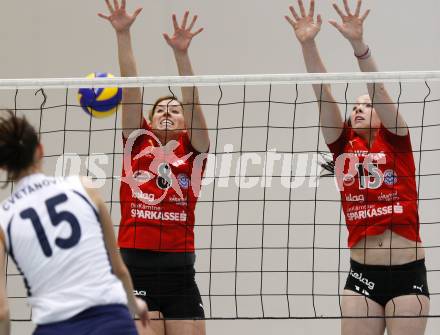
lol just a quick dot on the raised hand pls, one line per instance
(352, 24)
(183, 35)
(305, 26)
(119, 18)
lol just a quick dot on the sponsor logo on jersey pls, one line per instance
(370, 213)
(355, 198)
(389, 177)
(163, 216)
(142, 195)
(364, 280)
(373, 156)
(178, 201)
(388, 196)
(398, 208)
(142, 175)
(375, 212)
(183, 180)
(165, 177)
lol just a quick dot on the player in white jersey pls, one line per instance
(60, 235)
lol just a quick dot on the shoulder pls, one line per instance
(185, 141)
(90, 190)
(346, 138)
(401, 141)
(133, 132)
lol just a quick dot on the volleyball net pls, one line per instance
(270, 234)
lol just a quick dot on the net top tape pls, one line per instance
(216, 80)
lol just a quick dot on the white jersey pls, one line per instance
(53, 233)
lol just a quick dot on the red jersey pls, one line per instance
(158, 192)
(377, 184)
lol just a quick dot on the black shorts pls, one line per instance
(172, 290)
(381, 283)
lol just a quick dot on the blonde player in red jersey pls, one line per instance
(164, 158)
(379, 197)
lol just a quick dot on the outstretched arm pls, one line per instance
(131, 97)
(193, 114)
(351, 28)
(306, 29)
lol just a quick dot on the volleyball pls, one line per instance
(100, 102)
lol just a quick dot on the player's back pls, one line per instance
(53, 233)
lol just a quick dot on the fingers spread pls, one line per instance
(336, 25)
(319, 20)
(109, 6)
(185, 19)
(197, 32)
(193, 21)
(338, 10)
(358, 8)
(347, 8)
(291, 22)
(175, 25)
(136, 12)
(104, 16)
(116, 4)
(293, 11)
(365, 15)
(312, 8)
(301, 8)
(167, 38)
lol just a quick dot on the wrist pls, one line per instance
(180, 53)
(359, 46)
(308, 44)
(123, 33)
(364, 55)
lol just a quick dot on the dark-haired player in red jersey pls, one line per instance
(163, 163)
(374, 166)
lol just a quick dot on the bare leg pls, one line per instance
(185, 327)
(356, 305)
(407, 305)
(156, 326)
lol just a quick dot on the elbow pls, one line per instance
(121, 272)
(380, 87)
(377, 89)
(323, 91)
